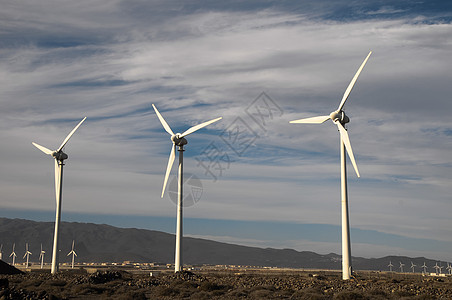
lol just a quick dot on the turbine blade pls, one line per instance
(197, 127)
(75, 253)
(162, 120)
(57, 181)
(43, 149)
(313, 120)
(70, 134)
(348, 146)
(169, 167)
(352, 83)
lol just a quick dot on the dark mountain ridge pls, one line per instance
(105, 243)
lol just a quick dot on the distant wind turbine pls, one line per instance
(437, 268)
(1, 251)
(390, 266)
(59, 157)
(412, 266)
(73, 253)
(424, 266)
(449, 269)
(27, 254)
(401, 267)
(13, 254)
(340, 119)
(41, 257)
(179, 141)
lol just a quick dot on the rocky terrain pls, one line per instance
(223, 285)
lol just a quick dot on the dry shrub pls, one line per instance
(210, 286)
(401, 294)
(166, 291)
(349, 295)
(56, 282)
(238, 293)
(378, 294)
(201, 295)
(261, 294)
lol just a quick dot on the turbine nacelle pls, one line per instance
(178, 140)
(339, 116)
(60, 156)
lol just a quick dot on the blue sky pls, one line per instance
(197, 60)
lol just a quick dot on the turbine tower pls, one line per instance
(41, 257)
(59, 157)
(179, 141)
(340, 119)
(390, 266)
(424, 266)
(401, 267)
(73, 253)
(412, 266)
(1, 251)
(13, 254)
(27, 254)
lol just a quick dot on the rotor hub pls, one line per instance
(60, 155)
(339, 116)
(179, 141)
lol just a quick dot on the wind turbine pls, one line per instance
(401, 267)
(449, 269)
(179, 141)
(59, 157)
(27, 254)
(390, 266)
(13, 254)
(73, 253)
(1, 252)
(41, 257)
(424, 266)
(436, 267)
(340, 119)
(412, 266)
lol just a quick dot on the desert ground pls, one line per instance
(222, 284)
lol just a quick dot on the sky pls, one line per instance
(252, 178)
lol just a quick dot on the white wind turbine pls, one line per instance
(27, 254)
(424, 266)
(73, 253)
(59, 157)
(178, 140)
(390, 266)
(340, 119)
(41, 257)
(1, 251)
(449, 269)
(401, 267)
(412, 266)
(436, 267)
(13, 254)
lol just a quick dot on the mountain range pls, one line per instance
(104, 243)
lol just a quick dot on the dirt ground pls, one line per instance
(223, 285)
